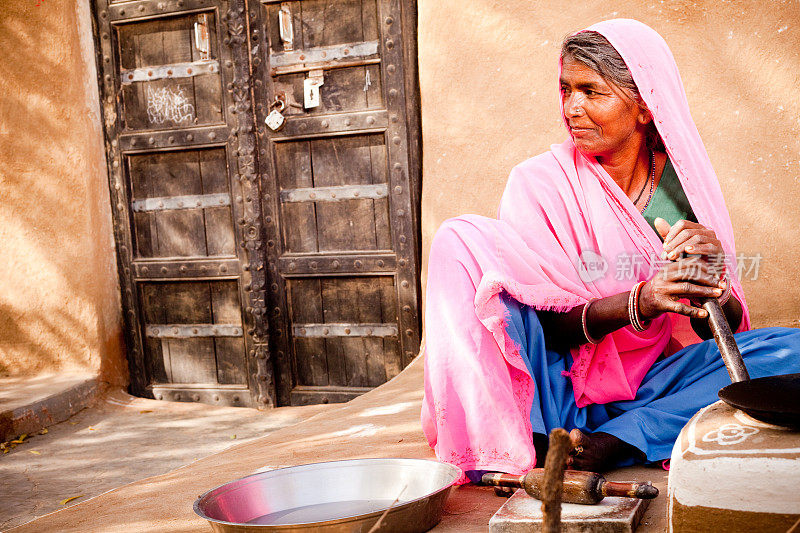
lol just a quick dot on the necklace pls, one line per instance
(652, 179)
(644, 186)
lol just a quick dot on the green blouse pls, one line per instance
(669, 201)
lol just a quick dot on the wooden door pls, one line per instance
(262, 268)
(339, 187)
(174, 79)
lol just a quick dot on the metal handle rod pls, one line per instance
(725, 341)
(724, 337)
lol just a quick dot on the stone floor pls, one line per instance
(381, 423)
(118, 440)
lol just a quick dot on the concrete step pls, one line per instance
(30, 403)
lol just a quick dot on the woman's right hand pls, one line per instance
(684, 278)
(687, 277)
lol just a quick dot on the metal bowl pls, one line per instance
(337, 496)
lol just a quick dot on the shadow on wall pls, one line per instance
(59, 306)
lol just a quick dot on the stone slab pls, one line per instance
(521, 513)
(30, 403)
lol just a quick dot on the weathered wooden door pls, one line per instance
(260, 268)
(186, 199)
(340, 178)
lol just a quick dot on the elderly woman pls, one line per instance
(529, 325)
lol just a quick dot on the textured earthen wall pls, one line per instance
(488, 76)
(59, 299)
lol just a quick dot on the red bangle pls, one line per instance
(633, 307)
(726, 294)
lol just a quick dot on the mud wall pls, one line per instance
(488, 77)
(59, 303)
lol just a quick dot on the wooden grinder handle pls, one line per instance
(585, 488)
(554, 465)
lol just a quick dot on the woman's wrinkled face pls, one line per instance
(601, 117)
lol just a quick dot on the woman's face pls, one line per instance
(602, 118)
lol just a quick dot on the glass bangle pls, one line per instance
(631, 297)
(633, 307)
(583, 322)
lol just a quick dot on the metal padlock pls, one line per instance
(275, 119)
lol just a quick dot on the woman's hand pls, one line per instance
(690, 278)
(689, 237)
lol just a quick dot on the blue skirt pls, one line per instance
(672, 391)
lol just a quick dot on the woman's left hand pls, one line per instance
(692, 238)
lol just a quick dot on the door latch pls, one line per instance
(311, 85)
(285, 25)
(201, 40)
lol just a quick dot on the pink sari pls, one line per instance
(558, 209)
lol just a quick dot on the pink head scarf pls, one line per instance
(560, 211)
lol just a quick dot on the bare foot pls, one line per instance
(597, 452)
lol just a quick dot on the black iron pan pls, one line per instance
(771, 399)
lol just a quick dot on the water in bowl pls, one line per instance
(321, 512)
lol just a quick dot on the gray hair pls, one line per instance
(593, 50)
